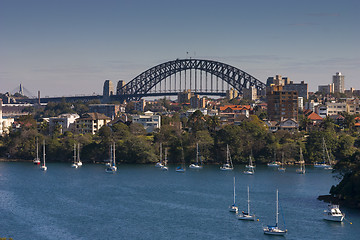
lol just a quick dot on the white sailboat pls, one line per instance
(301, 170)
(43, 166)
(181, 168)
(333, 213)
(251, 164)
(74, 164)
(282, 168)
(275, 230)
(233, 207)
(273, 163)
(228, 166)
(78, 161)
(108, 164)
(326, 156)
(160, 163)
(165, 167)
(247, 215)
(196, 165)
(250, 168)
(112, 168)
(37, 159)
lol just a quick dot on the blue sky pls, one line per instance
(68, 47)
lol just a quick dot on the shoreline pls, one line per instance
(335, 200)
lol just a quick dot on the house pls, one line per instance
(272, 125)
(357, 123)
(289, 125)
(65, 121)
(149, 121)
(315, 118)
(91, 122)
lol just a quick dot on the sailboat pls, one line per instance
(43, 167)
(247, 215)
(196, 165)
(160, 163)
(250, 168)
(228, 166)
(323, 164)
(251, 165)
(275, 230)
(181, 168)
(112, 168)
(165, 167)
(233, 207)
(301, 170)
(78, 161)
(273, 163)
(74, 165)
(108, 164)
(37, 159)
(282, 168)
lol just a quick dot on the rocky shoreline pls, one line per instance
(338, 201)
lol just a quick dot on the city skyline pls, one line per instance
(72, 47)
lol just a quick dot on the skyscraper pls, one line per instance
(339, 82)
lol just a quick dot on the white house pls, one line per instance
(149, 121)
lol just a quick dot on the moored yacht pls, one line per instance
(196, 165)
(228, 166)
(160, 164)
(275, 230)
(78, 161)
(112, 168)
(247, 215)
(233, 207)
(37, 159)
(43, 166)
(74, 164)
(333, 213)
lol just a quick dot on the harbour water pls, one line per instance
(143, 202)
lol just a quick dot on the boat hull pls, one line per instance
(274, 231)
(233, 209)
(246, 217)
(334, 218)
(226, 169)
(194, 166)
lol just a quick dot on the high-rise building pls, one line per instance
(231, 93)
(326, 89)
(339, 82)
(282, 104)
(250, 93)
(301, 88)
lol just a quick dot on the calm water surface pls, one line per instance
(143, 202)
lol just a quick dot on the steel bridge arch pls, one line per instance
(141, 85)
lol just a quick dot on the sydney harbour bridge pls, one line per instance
(202, 77)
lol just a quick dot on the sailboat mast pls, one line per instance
(111, 152)
(160, 152)
(227, 153)
(248, 201)
(197, 152)
(78, 152)
(165, 160)
(74, 152)
(234, 190)
(114, 155)
(37, 148)
(277, 206)
(44, 153)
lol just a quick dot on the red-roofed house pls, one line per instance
(315, 118)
